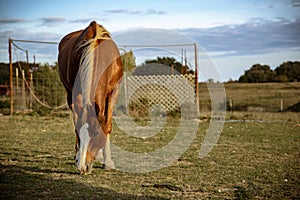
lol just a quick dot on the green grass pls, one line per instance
(251, 160)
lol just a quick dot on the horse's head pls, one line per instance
(90, 140)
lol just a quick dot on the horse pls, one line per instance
(90, 69)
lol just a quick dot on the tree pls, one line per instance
(128, 60)
(282, 78)
(288, 71)
(4, 74)
(171, 62)
(258, 74)
(46, 82)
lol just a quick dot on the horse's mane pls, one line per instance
(87, 65)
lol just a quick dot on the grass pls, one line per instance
(258, 160)
(263, 96)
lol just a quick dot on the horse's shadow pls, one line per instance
(27, 182)
(36, 178)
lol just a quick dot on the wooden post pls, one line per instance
(17, 81)
(30, 95)
(231, 105)
(185, 60)
(23, 99)
(181, 57)
(126, 101)
(10, 78)
(27, 72)
(281, 105)
(17, 90)
(196, 78)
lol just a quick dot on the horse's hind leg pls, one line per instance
(101, 105)
(111, 100)
(75, 118)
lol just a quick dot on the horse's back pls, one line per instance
(71, 51)
(67, 60)
(68, 38)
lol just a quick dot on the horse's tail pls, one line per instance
(87, 65)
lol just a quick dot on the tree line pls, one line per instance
(286, 72)
(38, 70)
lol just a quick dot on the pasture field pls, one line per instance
(255, 96)
(253, 160)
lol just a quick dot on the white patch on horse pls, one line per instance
(99, 156)
(84, 142)
(108, 162)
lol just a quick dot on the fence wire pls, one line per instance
(32, 93)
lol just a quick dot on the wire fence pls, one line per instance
(34, 86)
(38, 93)
(39, 87)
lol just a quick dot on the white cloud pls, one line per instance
(256, 36)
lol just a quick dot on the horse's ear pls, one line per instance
(93, 24)
(90, 32)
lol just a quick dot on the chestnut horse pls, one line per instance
(90, 69)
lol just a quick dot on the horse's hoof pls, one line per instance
(109, 167)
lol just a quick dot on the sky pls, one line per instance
(233, 34)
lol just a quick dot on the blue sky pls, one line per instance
(235, 34)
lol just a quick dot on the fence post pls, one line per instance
(10, 78)
(196, 78)
(30, 90)
(17, 81)
(17, 91)
(23, 100)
